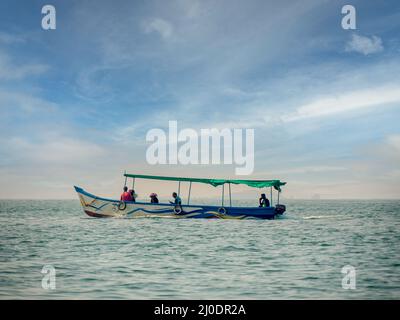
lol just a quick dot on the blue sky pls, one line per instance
(76, 102)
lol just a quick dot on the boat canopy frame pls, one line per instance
(276, 184)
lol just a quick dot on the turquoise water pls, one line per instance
(298, 257)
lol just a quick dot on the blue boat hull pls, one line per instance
(105, 208)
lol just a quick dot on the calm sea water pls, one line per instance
(297, 257)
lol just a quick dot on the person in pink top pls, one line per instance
(126, 196)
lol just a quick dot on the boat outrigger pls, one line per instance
(104, 208)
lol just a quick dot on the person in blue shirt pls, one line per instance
(177, 200)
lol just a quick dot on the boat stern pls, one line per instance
(280, 209)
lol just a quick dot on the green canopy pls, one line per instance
(215, 182)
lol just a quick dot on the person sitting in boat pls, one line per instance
(264, 202)
(126, 196)
(153, 197)
(133, 195)
(177, 200)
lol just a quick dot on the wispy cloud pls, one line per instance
(58, 151)
(93, 84)
(394, 142)
(8, 38)
(345, 102)
(24, 103)
(311, 169)
(387, 151)
(160, 26)
(365, 45)
(10, 70)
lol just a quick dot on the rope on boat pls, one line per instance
(121, 206)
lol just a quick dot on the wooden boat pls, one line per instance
(99, 207)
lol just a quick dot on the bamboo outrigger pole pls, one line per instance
(125, 178)
(223, 192)
(270, 188)
(190, 189)
(230, 195)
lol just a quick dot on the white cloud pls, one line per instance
(161, 26)
(13, 71)
(57, 151)
(93, 84)
(11, 38)
(25, 102)
(364, 45)
(387, 151)
(344, 103)
(191, 8)
(394, 142)
(129, 134)
(311, 169)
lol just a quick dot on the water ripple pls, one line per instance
(298, 256)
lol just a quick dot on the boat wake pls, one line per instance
(320, 217)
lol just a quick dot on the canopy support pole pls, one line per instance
(190, 189)
(179, 188)
(125, 179)
(223, 192)
(270, 188)
(133, 183)
(230, 195)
